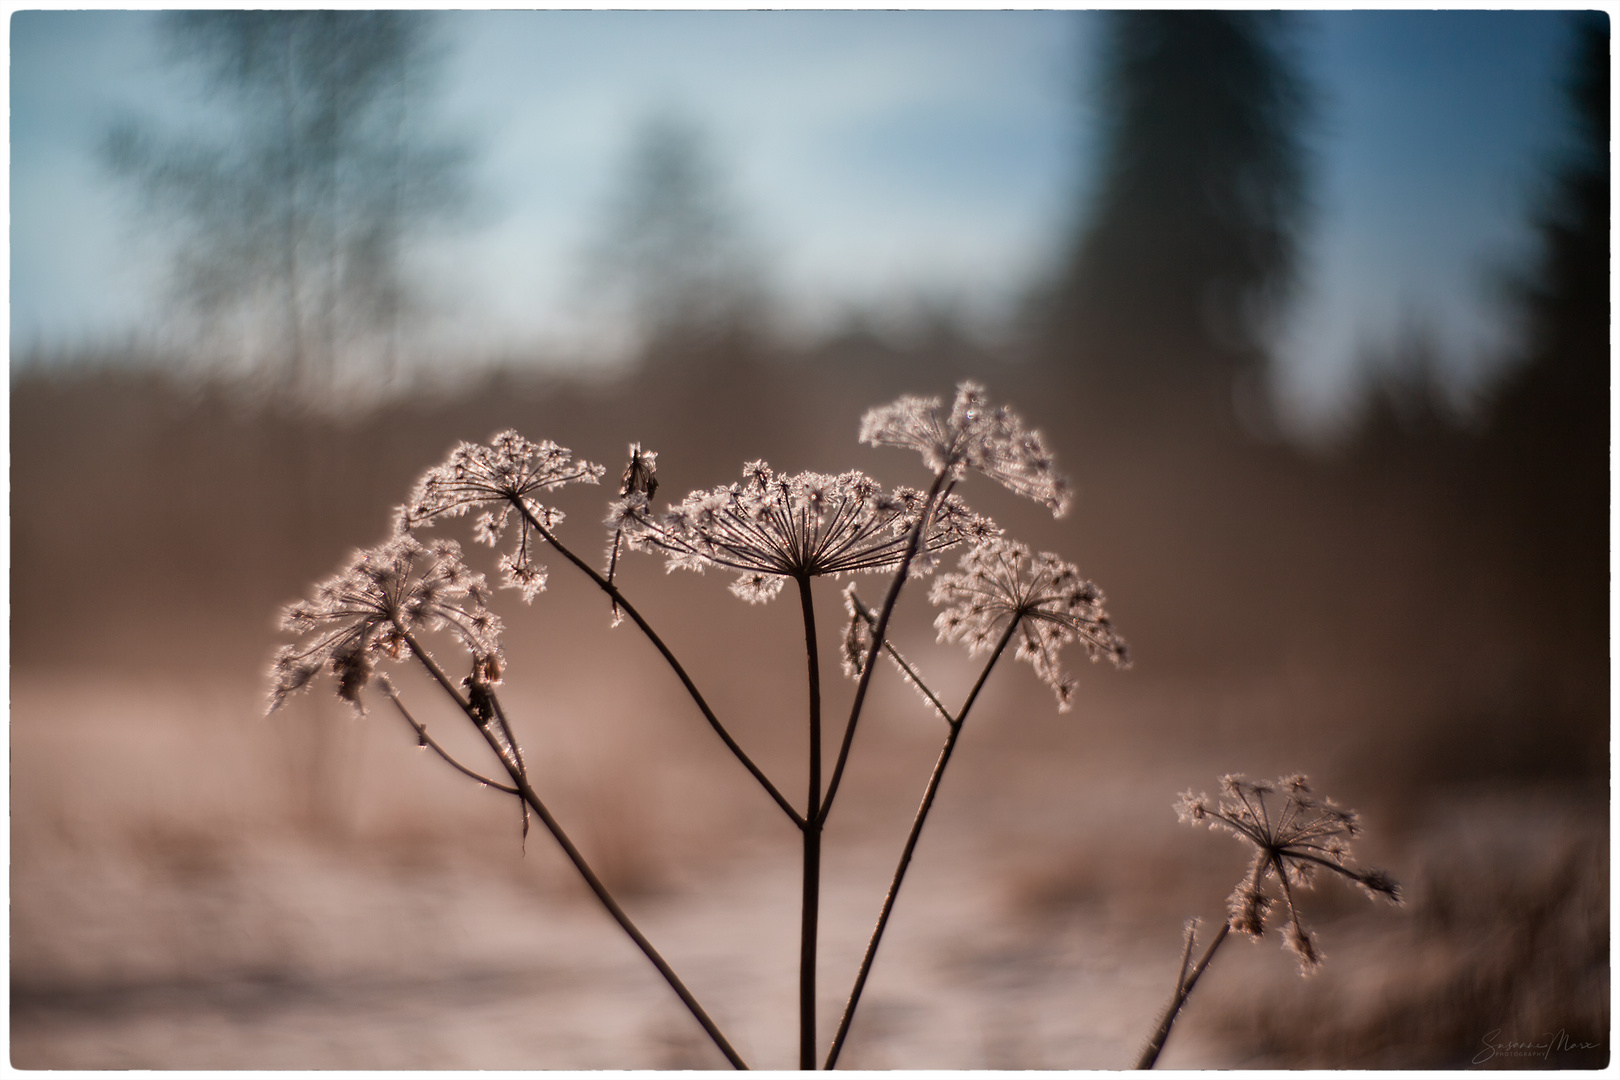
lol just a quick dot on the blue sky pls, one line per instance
(878, 158)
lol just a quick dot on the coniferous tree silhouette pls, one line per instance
(1545, 452)
(1188, 248)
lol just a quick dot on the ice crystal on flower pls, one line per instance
(971, 435)
(386, 595)
(1291, 843)
(502, 479)
(770, 527)
(1001, 583)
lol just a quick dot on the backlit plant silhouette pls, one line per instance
(769, 530)
(1291, 843)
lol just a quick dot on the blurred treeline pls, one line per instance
(1469, 552)
(1431, 591)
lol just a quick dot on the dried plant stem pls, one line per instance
(427, 740)
(574, 856)
(675, 665)
(932, 789)
(900, 662)
(613, 565)
(1184, 986)
(812, 844)
(878, 631)
(1155, 1045)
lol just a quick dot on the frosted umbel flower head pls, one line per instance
(974, 436)
(770, 528)
(1292, 841)
(387, 595)
(1047, 600)
(500, 477)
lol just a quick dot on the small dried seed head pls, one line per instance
(370, 611)
(502, 479)
(1045, 598)
(857, 636)
(971, 436)
(1295, 836)
(1248, 906)
(638, 475)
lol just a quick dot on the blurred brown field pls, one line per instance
(197, 885)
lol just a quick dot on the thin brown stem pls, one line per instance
(812, 843)
(900, 662)
(1150, 1053)
(595, 883)
(613, 564)
(881, 628)
(517, 753)
(675, 665)
(1155, 1045)
(911, 846)
(1186, 951)
(426, 740)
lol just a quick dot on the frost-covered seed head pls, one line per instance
(1046, 598)
(638, 475)
(770, 528)
(401, 587)
(974, 436)
(1291, 842)
(857, 643)
(499, 478)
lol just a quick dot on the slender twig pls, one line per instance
(574, 856)
(517, 752)
(878, 631)
(680, 672)
(1186, 952)
(613, 564)
(900, 661)
(1155, 1045)
(1150, 1053)
(812, 844)
(911, 845)
(424, 739)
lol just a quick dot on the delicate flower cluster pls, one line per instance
(387, 595)
(1291, 842)
(770, 528)
(1043, 596)
(971, 436)
(503, 477)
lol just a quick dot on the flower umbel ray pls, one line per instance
(385, 596)
(771, 527)
(500, 477)
(1047, 599)
(972, 435)
(1291, 841)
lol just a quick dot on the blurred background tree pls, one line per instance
(673, 262)
(288, 224)
(1543, 460)
(1188, 248)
